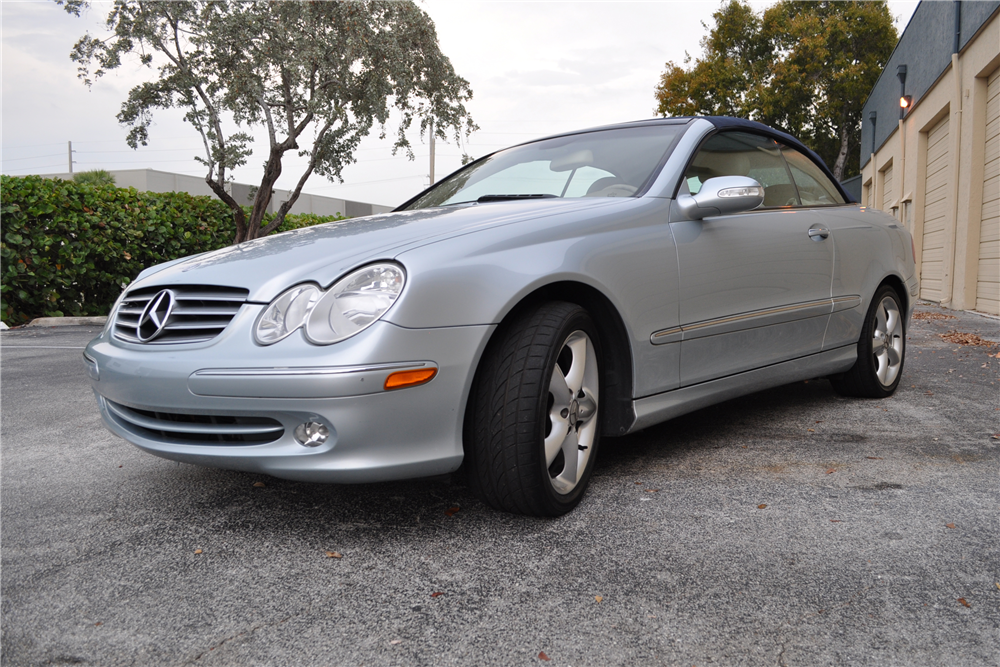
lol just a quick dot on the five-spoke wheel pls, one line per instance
(881, 350)
(571, 425)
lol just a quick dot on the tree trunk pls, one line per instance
(838, 167)
(239, 217)
(263, 198)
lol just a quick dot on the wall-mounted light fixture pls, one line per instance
(904, 100)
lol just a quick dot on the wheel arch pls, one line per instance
(617, 413)
(898, 286)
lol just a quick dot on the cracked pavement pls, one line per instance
(790, 527)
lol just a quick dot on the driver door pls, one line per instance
(754, 286)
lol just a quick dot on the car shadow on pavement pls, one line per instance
(756, 416)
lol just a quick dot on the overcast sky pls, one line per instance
(536, 68)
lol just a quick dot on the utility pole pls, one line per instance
(432, 152)
(70, 156)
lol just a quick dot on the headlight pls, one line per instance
(349, 306)
(285, 314)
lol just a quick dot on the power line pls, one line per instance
(36, 157)
(383, 180)
(44, 166)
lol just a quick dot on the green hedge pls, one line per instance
(69, 248)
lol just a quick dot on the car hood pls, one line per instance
(325, 252)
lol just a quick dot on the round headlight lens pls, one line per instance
(285, 314)
(354, 302)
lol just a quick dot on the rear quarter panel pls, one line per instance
(869, 247)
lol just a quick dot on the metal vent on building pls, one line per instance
(177, 313)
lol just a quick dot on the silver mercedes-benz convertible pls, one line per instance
(591, 283)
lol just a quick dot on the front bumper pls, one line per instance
(231, 382)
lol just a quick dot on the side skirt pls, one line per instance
(652, 410)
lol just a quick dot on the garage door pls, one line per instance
(887, 199)
(937, 211)
(988, 288)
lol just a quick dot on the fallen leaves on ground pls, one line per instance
(451, 511)
(920, 315)
(259, 485)
(598, 598)
(874, 458)
(962, 338)
(760, 507)
(651, 490)
(396, 641)
(197, 551)
(964, 603)
(542, 656)
(437, 594)
(836, 521)
(831, 471)
(949, 525)
(334, 554)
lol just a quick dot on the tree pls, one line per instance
(317, 76)
(804, 66)
(94, 177)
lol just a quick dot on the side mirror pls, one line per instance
(722, 195)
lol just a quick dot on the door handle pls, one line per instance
(821, 232)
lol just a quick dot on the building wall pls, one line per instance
(932, 169)
(151, 180)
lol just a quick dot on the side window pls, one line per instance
(815, 187)
(744, 154)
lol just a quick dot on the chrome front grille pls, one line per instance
(199, 313)
(186, 429)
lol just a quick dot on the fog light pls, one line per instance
(311, 434)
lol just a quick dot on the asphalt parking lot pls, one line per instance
(792, 527)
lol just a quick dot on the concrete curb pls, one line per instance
(67, 321)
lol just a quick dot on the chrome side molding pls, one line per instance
(756, 318)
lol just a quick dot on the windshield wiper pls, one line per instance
(486, 198)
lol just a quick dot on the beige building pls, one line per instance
(937, 169)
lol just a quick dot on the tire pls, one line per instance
(881, 350)
(532, 424)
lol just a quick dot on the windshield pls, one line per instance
(604, 163)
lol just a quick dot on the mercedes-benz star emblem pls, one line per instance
(155, 315)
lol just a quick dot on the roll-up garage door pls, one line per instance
(988, 287)
(887, 199)
(936, 211)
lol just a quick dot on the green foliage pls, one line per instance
(94, 177)
(316, 76)
(806, 67)
(69, 248)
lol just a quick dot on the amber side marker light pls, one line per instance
(402, 379)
